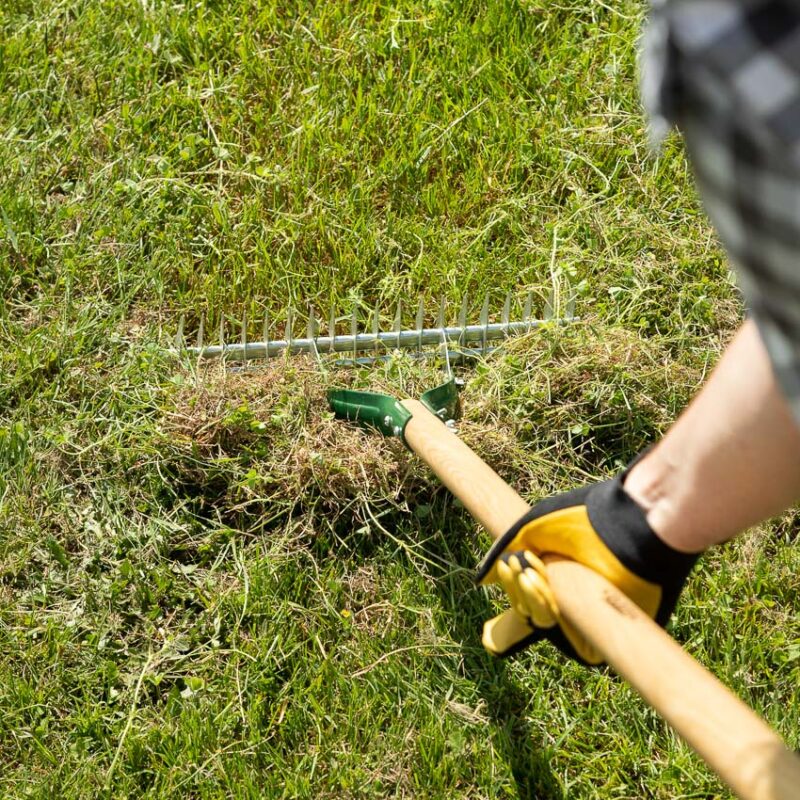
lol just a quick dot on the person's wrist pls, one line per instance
(642, 483)
(647, 484)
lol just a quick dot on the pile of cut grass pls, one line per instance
(208, 586)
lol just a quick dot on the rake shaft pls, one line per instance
(737, 744)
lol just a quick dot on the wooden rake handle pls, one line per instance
(735, 742)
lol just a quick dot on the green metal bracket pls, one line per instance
(443, 400)
(370, 408)
(386, 413)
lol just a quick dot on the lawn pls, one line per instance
(209, 587)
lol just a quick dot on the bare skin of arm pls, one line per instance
(731, 460)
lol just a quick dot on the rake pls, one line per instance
(736, 743)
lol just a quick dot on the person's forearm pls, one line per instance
(731, 460)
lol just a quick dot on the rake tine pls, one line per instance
(505, 319)
(485, 318)
(222, 338)
(312, 328)
(179, 343)
(376, 325)
(398, 321)
(440, 318)
(200, 331)
(312, 331)
(526, 312)
(548, 306)
(420, 323)
(462, 319)
(244, 336)
(289, 329)
(354, 330)
(441, 324)
(265, 335)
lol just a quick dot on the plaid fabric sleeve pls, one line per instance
(727, 72)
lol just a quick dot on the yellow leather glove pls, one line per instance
(599, 526)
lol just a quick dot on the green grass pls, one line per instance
(208, 587)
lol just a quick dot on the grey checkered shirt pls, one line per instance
(727, 73)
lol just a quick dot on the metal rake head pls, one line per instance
(363, 346)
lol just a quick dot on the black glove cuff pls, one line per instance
(623, 527)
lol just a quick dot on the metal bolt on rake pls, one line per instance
(466, 338)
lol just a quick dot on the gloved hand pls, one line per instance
(599, 526)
